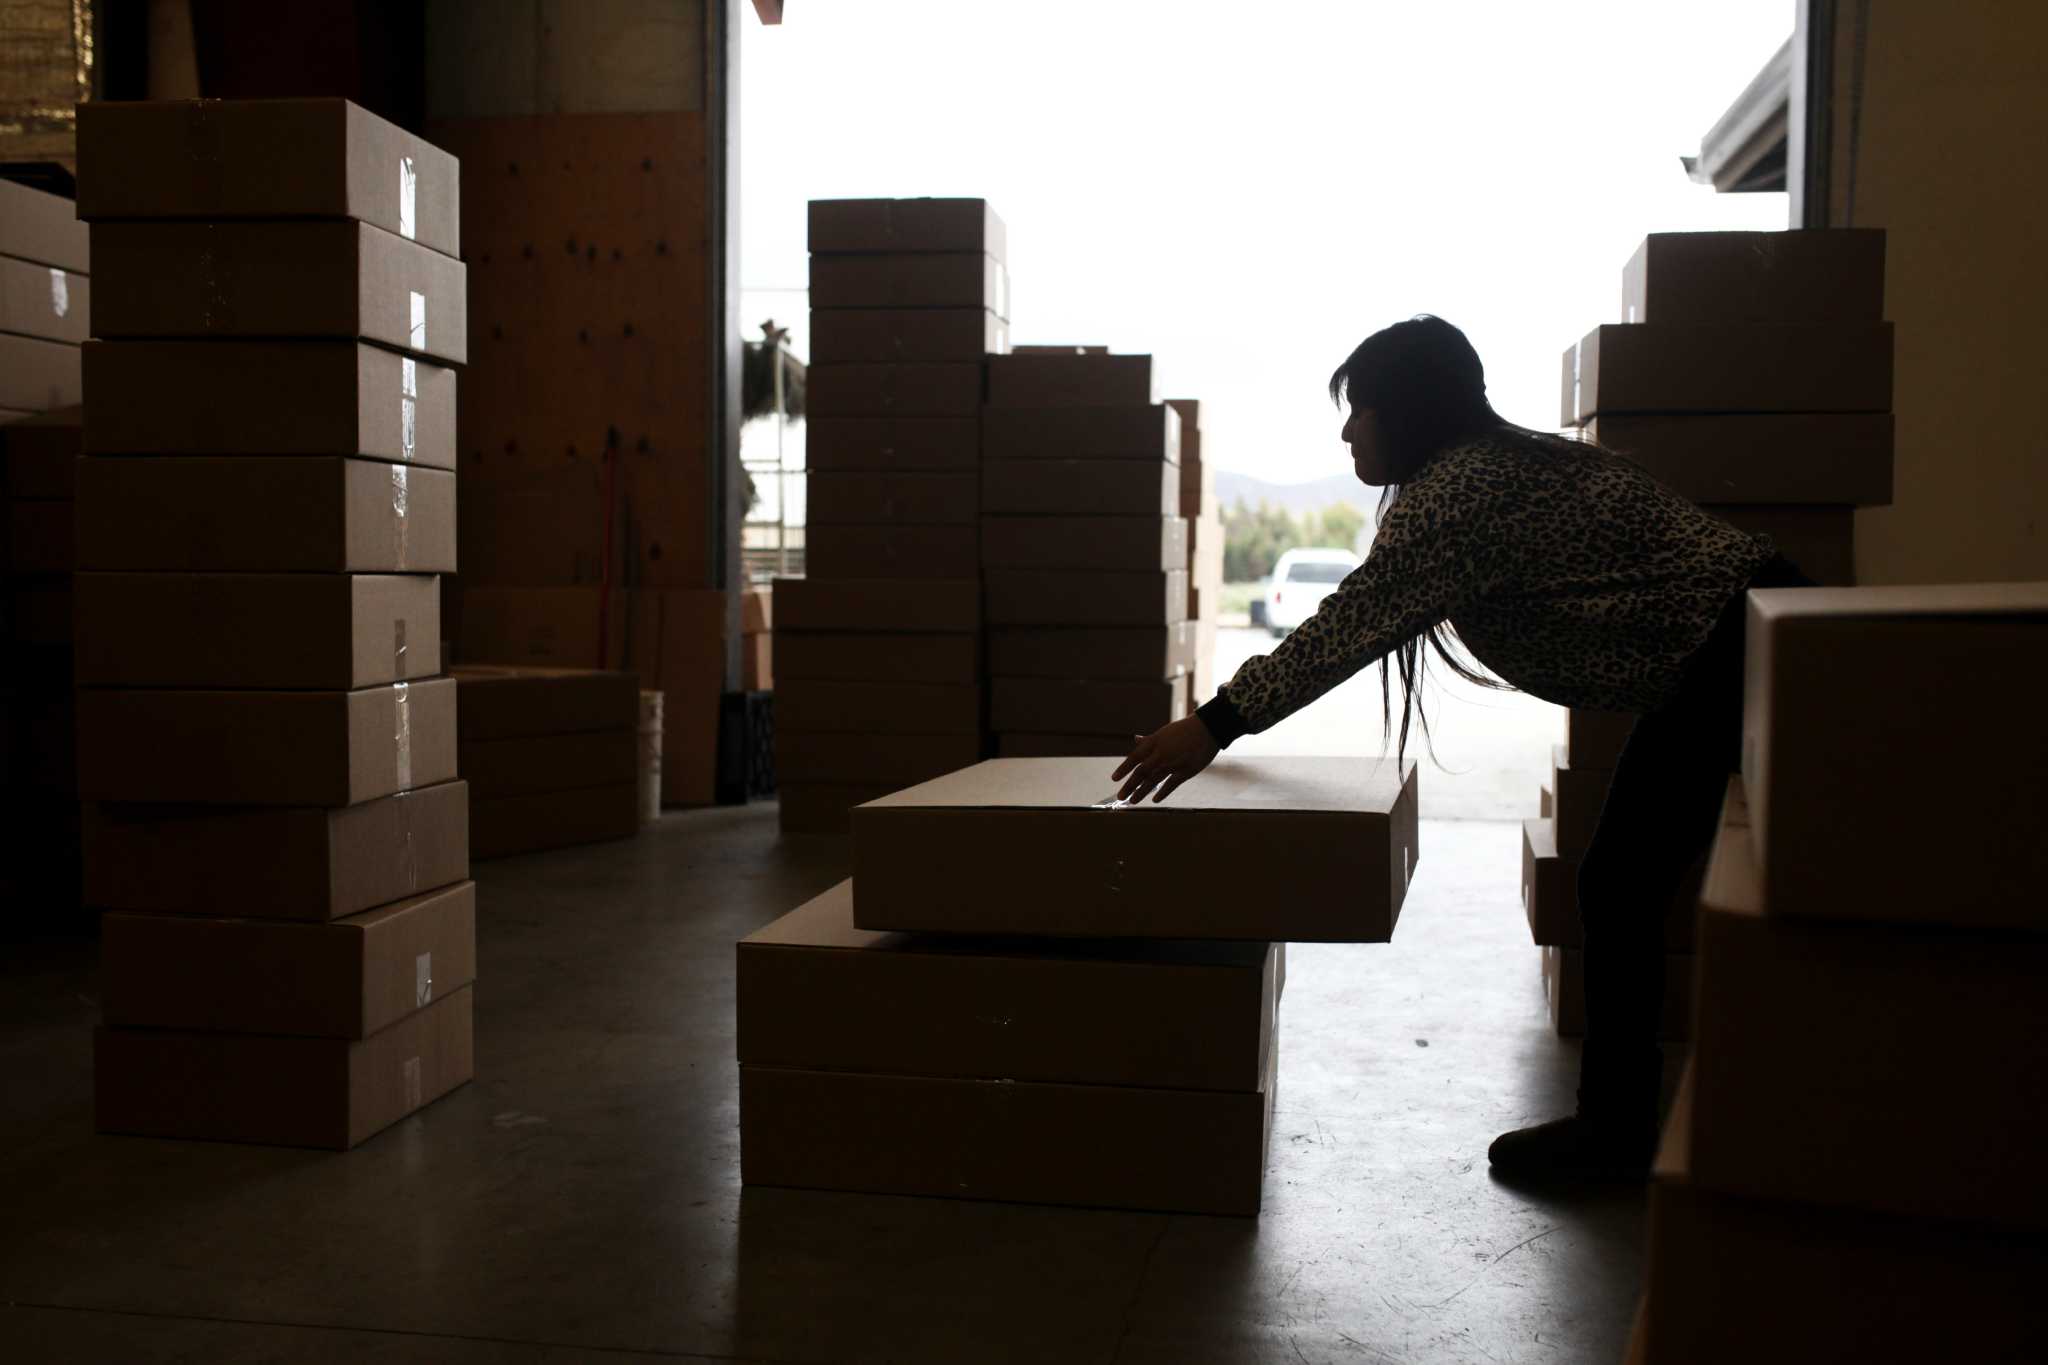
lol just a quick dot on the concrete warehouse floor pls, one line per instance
(581, 1200)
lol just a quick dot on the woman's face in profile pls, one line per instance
(1368, 458)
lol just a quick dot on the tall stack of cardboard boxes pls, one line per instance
(44, 301)
(1753, 375)
(878, 650)
(552, 756)
(1205, 549)
(1058, 1033)
(1084, 553)
(275, 829)
(1853, 1169)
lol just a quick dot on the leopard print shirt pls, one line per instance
(1568, 573)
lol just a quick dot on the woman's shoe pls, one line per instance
(1575, 1148)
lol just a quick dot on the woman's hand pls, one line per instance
(1165, 758)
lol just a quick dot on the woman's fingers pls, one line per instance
(1168, 787)
(1141, 749)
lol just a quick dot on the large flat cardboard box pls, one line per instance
(898, 499)
(1594, 739)
(919, 708)
(1580, 794)
(39, 453)
(1783, 279)
(757, 663)
(1730, 1278)
(1828, 458)
(819, 994)
(247, 514)
(1564, 989)
(856, 336)
(952, 389)
(1654, 367)
(1025, 744)
(519, 702)
(892, 443)
(894, 760)
(857, 657)
(1884, 1067)
(879, 550)
(1070, 597)
(573, 628)
(288, 1092)
(934, 279)
(268, 398)
(1137, 653)
(346, 979)
(1150, 431)
(905, 225)
(1820, 540)
(534, 821)
(43, 228)
(530, 764)
(822, 807)
(1128, 543)
(287, 158)
(41, 537)
(1121, 707)
(1197, 487)
(36, 376)
(314, 630)
(265, 748)
(1550, 893)
(891, 606)
(44, 301)
(1301, 849)
(279, 279)
(1033, 1142)
(1071, 381)
(296, 863)
(1080, 488)
(1889, 801)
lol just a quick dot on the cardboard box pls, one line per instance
(1177, 1015)
(279, 279)
(1550, 893)
(896, 499)
(542, 530)
(530, 823)
(1594, 739)
(757, 611)
(279, 864)
(892, 443)
(267, 398)
(1144, 653)
(677, 644)
(265, 748)
(952, 279)
(498, 703)
(1838, 458)
(1934, 809)
(36, 376)
(1071, 381)
(757, 663)
(878, 657)
(937, 390)
(1121, 707)
(1747, 1279)
(1066, 597)
(39, 613)
(1652, 367)
(290, 1092)
(821, 807)
(903, 225)
(279, 158)
(1581, 793)
(893, 760)
(843, 336)
(1024, 744)
(1820, 540)
(531, 764)
(1127, 543)
(1128, 432)
(1197, 489)
(42, 227)
(886, 605)
(1782, 279)
(578, 628)
(1302, 849)
(812, 705)
(347, 979)
(41, 731)
(44, 301)
(39, 454)
(247, 514)
(1108, 1146)
(1568, 395)
(278, 631)
(1879, 1067)
(41, 537)
(833, 550)
(1564, 987)
(1080, 488)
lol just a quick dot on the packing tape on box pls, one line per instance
(408, 406)
(423, 980)
(60, 292)
(403, 693)
(204, 142)
(215, 313)
(416, 311)
(398, 649)
(400, 501)
(408, 849)
(408, 199)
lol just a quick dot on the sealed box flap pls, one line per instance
(1972, 600)
(1734, 885)
(1338, 786)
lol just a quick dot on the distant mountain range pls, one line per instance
(1295, 498)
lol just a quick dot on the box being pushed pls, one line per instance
(1303, 850)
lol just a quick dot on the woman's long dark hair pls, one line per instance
(1424, 383)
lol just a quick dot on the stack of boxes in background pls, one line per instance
(1049, 1034)
(878, 650)
(757, 640)
(1205, 549)
(1753, 375)
(276, 831)
(1853, 1170)
(552, 756)
(1084, 553)
(44, 301)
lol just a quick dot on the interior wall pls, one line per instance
(1942, 150)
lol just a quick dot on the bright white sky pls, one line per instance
(1247, 190)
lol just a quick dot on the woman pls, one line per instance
(1569, 574)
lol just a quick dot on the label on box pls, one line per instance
(60, 292)
(408, 198)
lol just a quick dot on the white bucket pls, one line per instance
(650, 757)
